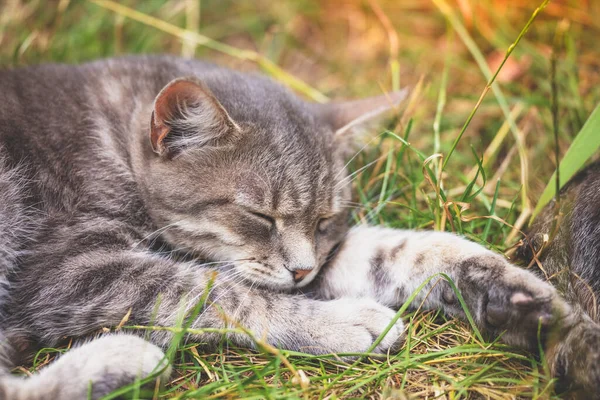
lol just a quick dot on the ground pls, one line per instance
(421, 176)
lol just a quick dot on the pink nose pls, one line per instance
(300, 274)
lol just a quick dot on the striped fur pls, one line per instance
(565, 240)
(114, 202)
(128, 185)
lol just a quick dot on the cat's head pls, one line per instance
(239, 169)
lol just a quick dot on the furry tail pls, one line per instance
(93, 370)
(574, 359)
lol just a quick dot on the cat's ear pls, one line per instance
(186, 115)
(350, 116)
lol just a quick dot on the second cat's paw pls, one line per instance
(509, 300)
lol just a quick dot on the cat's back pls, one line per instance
(64, 132)
(73, 130)
(50, 101)
(58, 118)
(565, 239)
(45, 107)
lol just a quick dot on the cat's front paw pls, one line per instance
(349, 325)
(507, 299)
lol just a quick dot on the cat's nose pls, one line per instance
(300, 274)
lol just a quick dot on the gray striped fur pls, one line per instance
(116, 199)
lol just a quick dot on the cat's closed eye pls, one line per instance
(264, 218)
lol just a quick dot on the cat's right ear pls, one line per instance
(348, 117)
(187, 115)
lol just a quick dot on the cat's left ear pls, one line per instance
(346, 117)
(187, 115)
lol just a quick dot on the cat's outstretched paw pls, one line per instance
(350, 325)
(529, 313)
(507, 300)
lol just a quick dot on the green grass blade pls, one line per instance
(585, 144)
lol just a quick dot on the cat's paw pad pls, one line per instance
(518, 308)
(510, 299)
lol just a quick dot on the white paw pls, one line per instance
(350, 325)
(99, 367)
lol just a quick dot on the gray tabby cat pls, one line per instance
(113, 169)
(565, 240)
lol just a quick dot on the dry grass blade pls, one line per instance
(393, 40)
(201, 40)
(491, 84)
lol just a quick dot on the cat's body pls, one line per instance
(81, 179)
(571, 255)
(563, 247)
(119, 176)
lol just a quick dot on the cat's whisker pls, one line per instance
(351, 177)
(227, 278)
(368, 144)
(371, 207)
(233, 285)
(263, 180)
(172, 252)
(358, 203)
(205, 264)
(356, 206)
(243, 301)
(367, 217)
(201, 293)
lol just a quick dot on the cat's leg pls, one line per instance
(388, 265)
(575, 360)
(92, 370)
(71, 293)
(97, 289)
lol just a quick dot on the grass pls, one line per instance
(454, 160)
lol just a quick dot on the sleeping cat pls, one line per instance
(143, 185)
